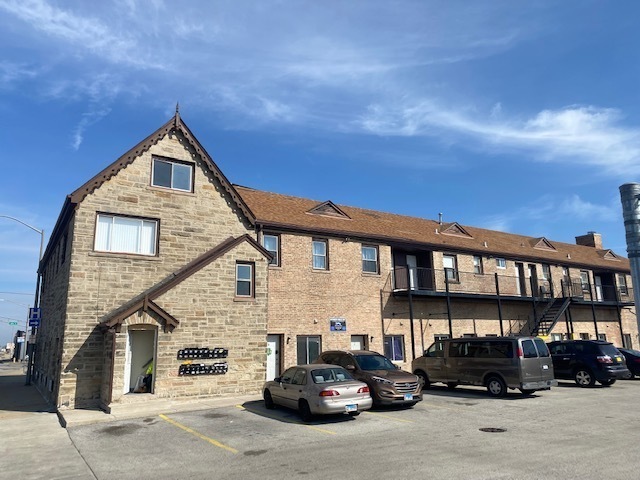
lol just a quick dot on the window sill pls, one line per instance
(154, 188)
(244, 299)
(370, 274)
(320, 270)
(129, 256)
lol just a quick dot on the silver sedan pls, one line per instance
(317, 389)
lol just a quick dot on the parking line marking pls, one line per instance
(402, 420)
(199, 435)
(259, 412)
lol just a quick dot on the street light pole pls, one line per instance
(36, 303)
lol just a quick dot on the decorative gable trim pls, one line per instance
(544, 244)
(175, 124)
(456, 229)
(145, 301)
(330, 209)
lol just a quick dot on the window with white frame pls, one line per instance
(320, 254)
(450, 264)
(501, 263)
(244, 280)
(172, 174)
(622, 283)
(271, 244)
(584, 279)
(394, 347)
(369, 259)
(477, 264)
(118, 234)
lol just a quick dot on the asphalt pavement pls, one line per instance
(34, 443)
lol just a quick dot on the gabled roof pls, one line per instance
(174, 124)
(287, 213)
(145, 300)
(543, 244)
(328, 208)
(456, 229)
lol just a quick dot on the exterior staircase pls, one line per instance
(550, 316)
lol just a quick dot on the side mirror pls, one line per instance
(277, 380)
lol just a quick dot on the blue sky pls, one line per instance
(517, 116)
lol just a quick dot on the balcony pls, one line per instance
(437, 282)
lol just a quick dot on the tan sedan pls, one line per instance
(317, 389)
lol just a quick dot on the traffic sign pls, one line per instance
(13, 323)
(34, 317)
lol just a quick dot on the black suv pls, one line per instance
(587, 361)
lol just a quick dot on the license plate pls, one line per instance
(545, 367)
(618, 359)
(408, 396)
(351, 408)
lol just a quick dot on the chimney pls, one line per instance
(591, 239)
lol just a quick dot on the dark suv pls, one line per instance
(388, 384)
(587, 361)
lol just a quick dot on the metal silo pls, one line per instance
(630, 197)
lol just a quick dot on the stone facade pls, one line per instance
(91, 285)
(95, 303)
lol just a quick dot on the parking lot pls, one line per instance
(568, 432)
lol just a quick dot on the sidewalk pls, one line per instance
(33, 442)
(33, 445)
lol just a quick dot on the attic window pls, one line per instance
(168, 173)
(328, 208)
(544, 244)
(457, 230)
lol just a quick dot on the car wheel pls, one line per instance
(425, 379)
(496, 386)
(608, 382)
(526, 391)
(354, 414)
(628, 376)
(584, 378)
(268, 400)
(452, 385)
(305, 411)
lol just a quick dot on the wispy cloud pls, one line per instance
(580, 134)
(550, 209)
(11, 73)
(84, 32)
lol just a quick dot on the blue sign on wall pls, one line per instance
(338, 324)
(34, 317)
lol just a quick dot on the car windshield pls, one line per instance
(374, 362)
(330, 375)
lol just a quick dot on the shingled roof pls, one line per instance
(289, 213)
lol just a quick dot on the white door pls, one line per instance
(273, 356)
(598, 281)
(127, 365)
(412, 265)
(358, 342)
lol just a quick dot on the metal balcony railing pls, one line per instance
(420, 279)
